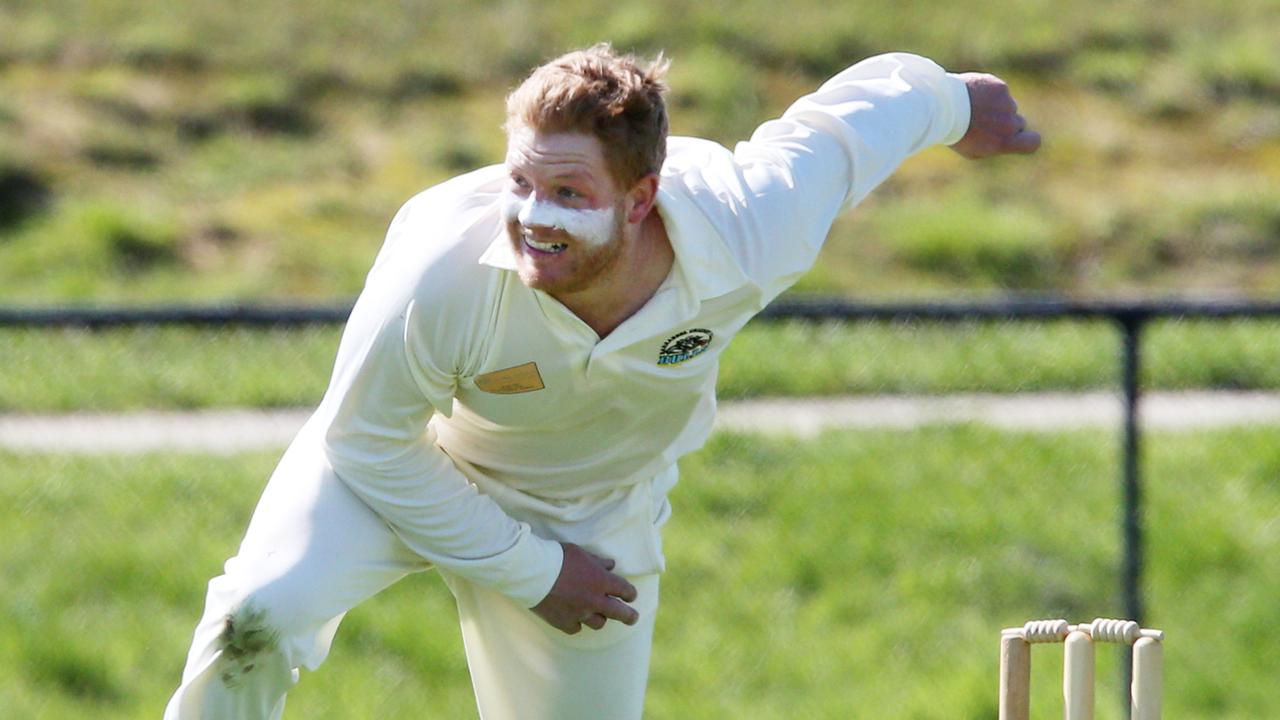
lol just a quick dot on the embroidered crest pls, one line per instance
(684, 346)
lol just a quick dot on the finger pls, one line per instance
(595, 621)
(617, 610)
(1001, 104)
(619, 587)
(1024, 142)
(606, 563)
(1003, 125)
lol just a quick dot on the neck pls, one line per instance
(643, 266)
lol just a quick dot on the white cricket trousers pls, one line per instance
(313, 551)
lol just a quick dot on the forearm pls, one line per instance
(860, 125)
(442, 517)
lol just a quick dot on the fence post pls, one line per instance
(1131, 325)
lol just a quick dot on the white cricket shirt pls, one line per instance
(485, 422)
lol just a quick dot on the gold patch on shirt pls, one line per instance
(519, 379)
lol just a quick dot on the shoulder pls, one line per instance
(748, 214)
(704, 173)
(443, 228)
(697, 164)
(684, 153)
(439, 206)
(431, 256)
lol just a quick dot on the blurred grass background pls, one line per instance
(257, 150)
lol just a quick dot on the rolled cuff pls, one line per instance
(958, 94)
(529, 569)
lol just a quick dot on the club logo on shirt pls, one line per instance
(684, 346)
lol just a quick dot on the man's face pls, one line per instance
(564, 212)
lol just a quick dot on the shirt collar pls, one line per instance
(701, 254)
(499, 253)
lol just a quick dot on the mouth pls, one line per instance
(550, 248)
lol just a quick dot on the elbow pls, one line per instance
(341, 450)
(353, 453)
(357, 454)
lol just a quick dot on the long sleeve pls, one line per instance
(393, 373)
(879, 112)
(774, 200)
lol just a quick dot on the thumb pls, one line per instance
(1023, 142)
(605, 563)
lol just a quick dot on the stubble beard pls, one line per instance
(581, 266)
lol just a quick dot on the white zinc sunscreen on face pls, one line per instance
(592, 228)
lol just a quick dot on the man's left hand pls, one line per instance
(995, 127)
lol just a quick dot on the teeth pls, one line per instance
(545, 247)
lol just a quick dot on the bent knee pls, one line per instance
(249, 643)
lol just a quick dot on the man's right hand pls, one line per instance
(586, 593)
(995, 127)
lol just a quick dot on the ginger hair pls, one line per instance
(616, 98)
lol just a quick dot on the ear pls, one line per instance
(641, 198)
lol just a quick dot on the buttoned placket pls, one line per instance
(672, 304)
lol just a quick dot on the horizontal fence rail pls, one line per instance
(805, 308)
(1018, 309)
(193, 315)
(1130, 317)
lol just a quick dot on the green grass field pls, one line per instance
(860, 575)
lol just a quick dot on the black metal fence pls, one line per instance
(1129, 317)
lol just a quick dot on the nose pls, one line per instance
(536, 212)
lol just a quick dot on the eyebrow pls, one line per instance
(566, 176)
